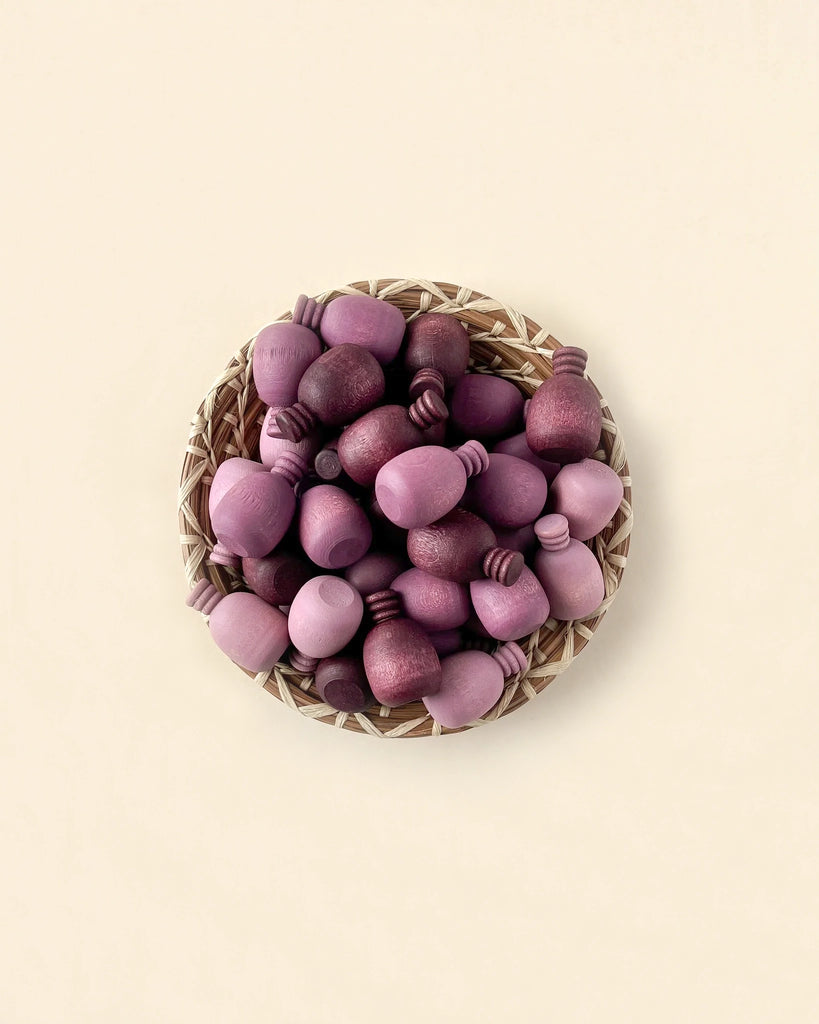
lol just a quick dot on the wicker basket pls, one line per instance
(503, 342)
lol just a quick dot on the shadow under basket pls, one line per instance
(503, 342)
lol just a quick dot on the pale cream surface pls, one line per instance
(640, 844)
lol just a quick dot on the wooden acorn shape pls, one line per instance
(419, 486)
(249, 631)
(333, 529)
(362, 320)
(432, 602)
(378, 436)
(510, 493)
(462, 547)
(270, 448)
(587, 493)
(282, 352)
(324, 617)
(483, 405)
(341, 385)
(445, 641)
(522, 539)
(564, 420)
(375, 571)
(568, 571)
(253, 515)
(518, 446)
(277, 578)
(472, 684)
(400, 662)
(342, 683)
(509, 613)
(436, 341)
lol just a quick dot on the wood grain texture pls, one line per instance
(563, 421)
(439, 342)
(333, 529)
(462, 547)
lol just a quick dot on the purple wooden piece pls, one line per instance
(342, 683)
(509, 613)
(362, 320)
(270, 448)
(278, 577)
(588, 494)
(472, 683)
(375, 571)
(327, 464)
(518, 446)
(445, 641)
(333, 528)
(227, 474)
(567, 570)
(439, 342)
(249, 631)
(511, 493)
(564, 420)
(400, 662)
(419, 486)
(281, 353)
(462, 547)
(485, 406)
(433, 603)
(324, 616)
(522, 539)
(389, 536)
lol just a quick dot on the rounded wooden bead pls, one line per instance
(378, 436)
(341, 385)
(342, 683)
(432, 602)
(509, 613)
(270, 448)
(522, 539)
(363, 320)
(419, 486)
(462, 547)
(472, 684)
(445, 641)
(227, 474)
(249, 631)
(568, 571)
(324, 616)
(400, 662)
(511, 493)
(278, 577)
(485, 406)
(333, 529)
(564, 418)
(375, 571)
(587, 493)
(281, 353)
(437, 341)
(518, 446)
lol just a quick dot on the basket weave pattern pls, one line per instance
(503, 342)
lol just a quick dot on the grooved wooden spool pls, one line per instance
(503, 342)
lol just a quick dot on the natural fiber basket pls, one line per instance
(503, 342)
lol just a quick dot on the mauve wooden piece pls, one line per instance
(270, 448)
(333, 529)
(253, 515)
(509, 613)
(337, 388)
(363, 320)
(375, 571)
(439, 342)
(432, 602)
(419, 486)
(249, 631)
(511, 493)
(518, 446)
(400, 662)
(587, 493)
(324, 616)
(281, 353)
(445, 641)
(485, 406)
(378, 436)
(462, 547)
(278, 577)
(564, 419)
(227, 474)
(472, 684)
(342, 683)
(568, 571)
(522, 539)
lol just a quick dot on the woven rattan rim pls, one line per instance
(503, 342)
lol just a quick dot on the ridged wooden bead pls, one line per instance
(270, 448)
(365, 321)
(564, 419)
(437, 341)
(472, 684)
(510, 494)
(462, 547)
(509, 613)
(568, 571)
(400, 662)
(588, 494)
(484, 406)
(333, 529)
(324, 616)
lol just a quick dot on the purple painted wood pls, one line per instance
(270, 448)
(445, 641)
(511, 493)
(324, 616)
(228, 473)
(278, 577)
(462, 547)
(509, 613)
(564, 419)
(518, 446)
(568, 571)
(437, 341)
(472, 684)
(485, 406)
(588, 494)
(342, 683)
(281, 353)
(333, 529)
(433, 603)
(400, 662)
(363, 320)
(375, 571)
(522, 539)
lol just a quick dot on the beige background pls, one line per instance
(639, 844)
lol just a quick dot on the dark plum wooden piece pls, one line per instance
(362, 320)
(518, 446)
(324, 616)
(342, 683)
(333, 529)
(445, 641)
(472, 683)
(432, 602)
(378, 436)
(509, 613)
(485, 406)
(568, 571)
(270, 448)
(437, 341)
(511, 493)
(400, 662)
(564, 419)
(375, 571)
(522, 539)
(327, 463)
(281, 353)
(337, 388)
(588, 494)
(462, 547)
(278, 577)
